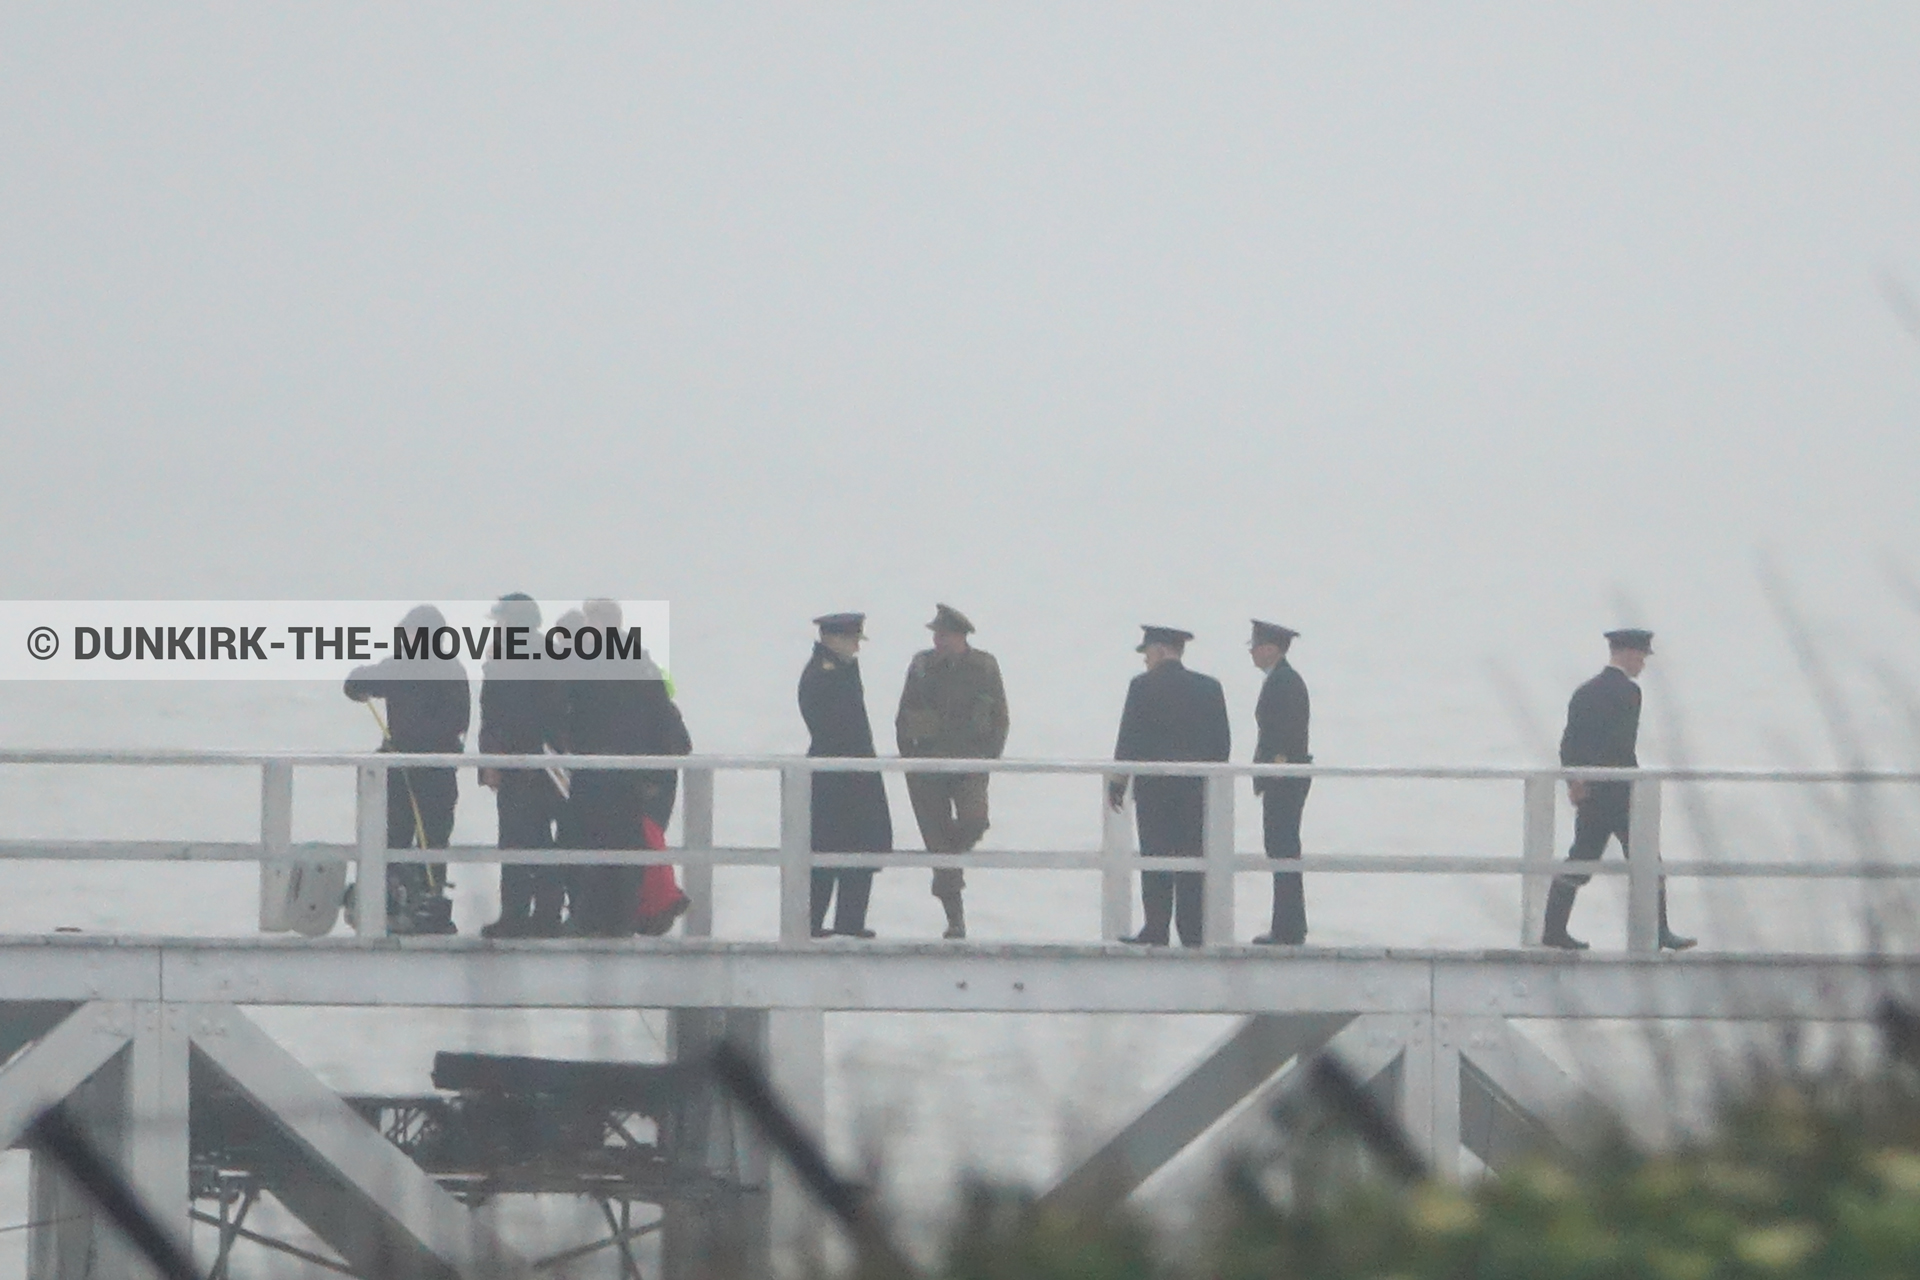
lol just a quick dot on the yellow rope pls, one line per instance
(419, 823)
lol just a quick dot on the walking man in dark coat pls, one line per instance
(954, 705)
(850, 813)
(622, 710)
(429, 706)
(1281, 714)
(1171, 714)
(1603, 727)
(520, 717)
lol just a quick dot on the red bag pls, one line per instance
(661, 901)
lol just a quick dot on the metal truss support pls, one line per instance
(352, 1187)
(154, 1143)
(1241, 1063)
(22, 1022)
(60, 1062)
(796, 1062)
(1373, 1048)
(1511, 1094)
(121, 1071)
(726, 1231)
(1429, 1098)
(1371, 1045)
(71, 1239)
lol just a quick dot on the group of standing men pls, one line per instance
(626, 711)
(1173, 713)
(1176, 714)
(953, 706)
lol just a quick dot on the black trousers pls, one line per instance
(1282, 802)
(604, 813)
(850, 912)
(529, 804)
(1170, 813)
(1605, 815)
(435, 792)
(1601, 817)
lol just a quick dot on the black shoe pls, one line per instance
(1675, 942)
(1563, 941)
(822, 932)
(855, 933)
(507, 927)
(1275, 940)
(1143, 939)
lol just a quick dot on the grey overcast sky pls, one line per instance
(1425, 328)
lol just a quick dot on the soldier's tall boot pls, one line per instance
(956, 916)
(1559, 911)
(1669, 940)
(947, 884)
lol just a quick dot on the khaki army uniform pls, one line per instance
(953, 706)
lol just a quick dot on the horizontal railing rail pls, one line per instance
(698, 854)
(935, 764)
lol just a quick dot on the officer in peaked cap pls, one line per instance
(850, 812)
(948, 620)
(842, 624)
(1281, 715)
(1603, 725)
(1171, 714)
(953, 705)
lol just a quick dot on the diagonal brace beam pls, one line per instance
(1511, 1093)
(1240, 1064)
(59, 1062)
(352, 1153)
(1373, 1046)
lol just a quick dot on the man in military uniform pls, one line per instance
(850, 813)
(1603, 727)
(1171, 714)
(521, 717)
(954, 706)
(1281, 714)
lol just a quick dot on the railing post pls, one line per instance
(1116, 877)
(1536, 851)
(370, 881)
(276, 842)
(1643, 866)
(796, 853)
(697, 834)
(1217, 846)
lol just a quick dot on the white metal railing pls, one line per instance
(1115, 860)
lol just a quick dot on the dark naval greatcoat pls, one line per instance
(1282, 715)
(850, 813)
(1603, 727)
(1172, 714)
